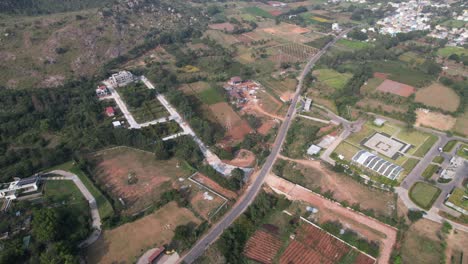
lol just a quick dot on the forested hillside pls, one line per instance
(50, 49)
(36, 7)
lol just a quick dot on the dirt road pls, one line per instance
(296, 192)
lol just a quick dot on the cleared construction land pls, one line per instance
(439, 96)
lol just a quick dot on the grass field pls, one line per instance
(461, 125)
(371, 85)
(353, 44)
(65, 193)
(449, 146)
(438, 159)
(439, 96)
(257, 11)
(347, 150)
(463, 151)
(104, 206)
(424, 194)
(455, 23)
(447, 51)
(400, 72)
(421, 245)
(411, 57)
(429, 171)
(332, 78)
(409, 165)
(126, 243)
(210, 96)
(426, 146)
(150, 108)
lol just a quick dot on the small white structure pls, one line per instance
(116, 124)
(307, 104)
(336, 27)
(379, 122)
(313, 150)
(121, 78)
(9, 191)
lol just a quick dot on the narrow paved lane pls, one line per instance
(198, 249)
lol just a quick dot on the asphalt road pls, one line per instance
(252, 191)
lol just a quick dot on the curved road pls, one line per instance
(198, 249)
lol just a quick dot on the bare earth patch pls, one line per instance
(236, 128)
(435, 120)
(202, 179)
(125, 243)
(153, 177)
(440, 96)
(243, 158)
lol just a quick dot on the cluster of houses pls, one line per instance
(408, 17)
(455, 36)
(241, 91)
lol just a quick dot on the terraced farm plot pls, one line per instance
(332, 78)
(313, 245)
(424, 194)
(262, 246)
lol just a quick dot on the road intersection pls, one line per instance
(252, 191)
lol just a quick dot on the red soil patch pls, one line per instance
(236, 127)
(287, 96)
(244, 158)
(313, 245)
(266, 126)
(380, 75)
(262, 247)
(222, 26)
(359, 222)
(244, 39)
(275, 12)
(202, 179)
(326, 129)
(401, 89)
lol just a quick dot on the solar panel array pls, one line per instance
(377, 164)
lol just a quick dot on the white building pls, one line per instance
(307, 105)
(336, 27)
(10, 190)
(313, 150)
(121, 78)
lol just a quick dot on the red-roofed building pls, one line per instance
(110, 111)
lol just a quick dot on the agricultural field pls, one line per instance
(332, 78)
(257, 11)
(424, 194)
(281, 88)
(292, 52)
(352, 44)
(411, 58)
(127, 242)
(400, 72)
(134, 178)
(439, 96)
(435, 120)
(396, 88)
(447, 51)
